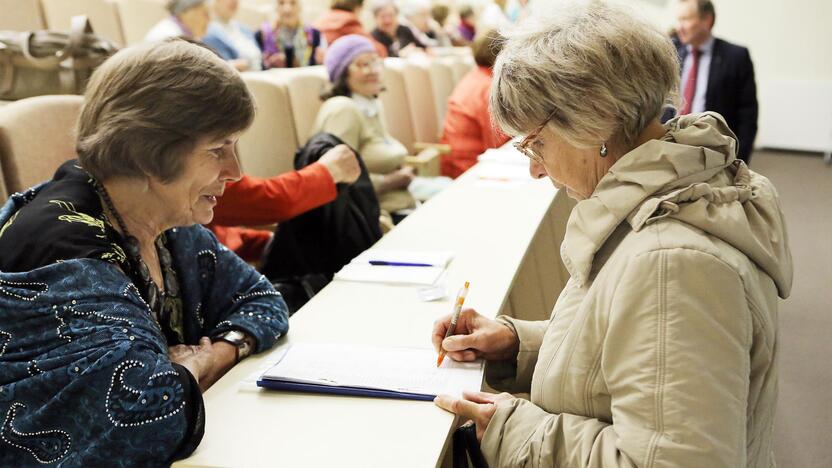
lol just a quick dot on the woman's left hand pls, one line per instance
(479, 407)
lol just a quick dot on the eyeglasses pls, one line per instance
(526, 145)
(370, 65)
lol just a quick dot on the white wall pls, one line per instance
(791, 46)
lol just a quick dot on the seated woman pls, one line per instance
(418, 19)
(188, 19)
(289, 43)
(661, 349)
(468, 126)
(351, 112)
(118, 307)
(397, 38)
(231, 40)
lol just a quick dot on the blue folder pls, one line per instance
(341, 390)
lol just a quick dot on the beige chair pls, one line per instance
(103, 16)
(21, 15)
(268, 147)
(138, 17)
(305, 85)
(37, 135)
(461, 65)
(394, 102)
(3, 192)
(442, 82)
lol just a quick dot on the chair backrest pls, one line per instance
(36, 136)
(3, 192)
(103, 16)
(138, 17)
(305, 85)
(396, 107)
(461, 65)
(268, 147)
(21, 15)
(422, 99)
(442, 82)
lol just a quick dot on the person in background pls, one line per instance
(493, 15)
(661, 350)
(188, 19)
(467, 24)
(119, 309)
(440, 12)
(468, 127)
(342, 19)
(417, 17)
(352, 113)
(231, 40)
(256, 201)
(716, 75)
(288, 43)
(397, 38)
(519, 11)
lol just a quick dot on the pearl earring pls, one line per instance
(603, 149)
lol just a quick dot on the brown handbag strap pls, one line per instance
(80, 27)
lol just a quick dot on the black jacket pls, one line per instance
(323, 240)
(732, 91)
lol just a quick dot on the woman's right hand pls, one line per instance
(198, 359)
(475, 336)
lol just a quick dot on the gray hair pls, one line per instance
(600, 73)
(175, 7)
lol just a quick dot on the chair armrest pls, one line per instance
(443, 149)
(426, 162)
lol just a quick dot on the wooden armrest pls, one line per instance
(443, 149)
(426, 162)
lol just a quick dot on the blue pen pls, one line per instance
(404, 264)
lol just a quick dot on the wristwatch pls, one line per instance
(238, 339)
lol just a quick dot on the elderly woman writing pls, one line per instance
(118, 307)
(660, 350)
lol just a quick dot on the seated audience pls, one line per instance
(397, 38)
(255, 201)
(230, 39)
(119, 309)
(468, 127)
(342, 19)
(440, 13)
(662, 347)
(417, 17)
(188, 19)
(351, 112)
(288, 43)
(467, 28)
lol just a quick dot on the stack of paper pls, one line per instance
(396, 267)
(370, 371)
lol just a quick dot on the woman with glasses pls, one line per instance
(660, 350)
(351, 112)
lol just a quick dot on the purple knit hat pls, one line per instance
(343, 51)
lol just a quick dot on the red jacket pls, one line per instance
(253, 201)
(336, 23)
(468, 128)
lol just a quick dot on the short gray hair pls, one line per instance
(600, 73)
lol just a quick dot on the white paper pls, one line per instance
(408, 370)
(438, 259)
(367, 273)
(504, 155)
(504, 173)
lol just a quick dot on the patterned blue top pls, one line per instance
(85, 378)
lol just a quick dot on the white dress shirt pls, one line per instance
(706, 53)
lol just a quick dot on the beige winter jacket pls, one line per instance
(661, 349)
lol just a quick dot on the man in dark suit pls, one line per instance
(716, 75)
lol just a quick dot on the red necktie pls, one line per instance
(690, 84)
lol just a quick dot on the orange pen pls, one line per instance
(460, 299)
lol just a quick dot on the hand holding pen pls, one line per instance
(460, 299)
(474, 336)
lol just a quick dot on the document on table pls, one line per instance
(504, 173)
(504, 155)
(396, 267)
(408, 373)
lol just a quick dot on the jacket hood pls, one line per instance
(692, 175)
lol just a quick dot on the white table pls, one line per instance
(494, 229)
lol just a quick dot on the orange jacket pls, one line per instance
(336, 23)
(468, 129)
(254, 201)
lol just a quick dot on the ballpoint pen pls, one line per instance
(460, 299)
(406, 264)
